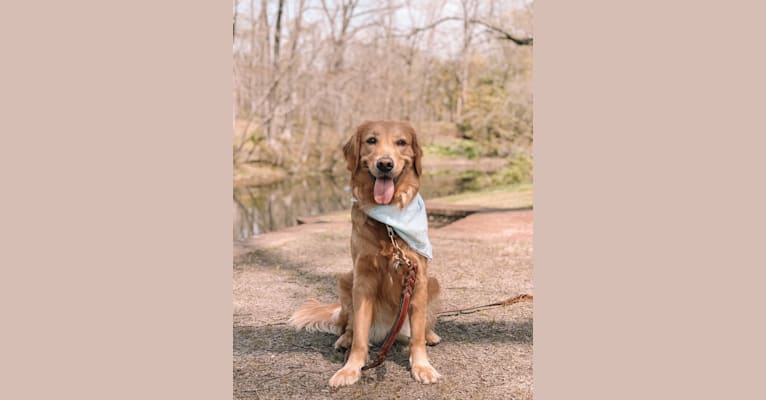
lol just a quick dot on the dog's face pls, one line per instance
(385, 162)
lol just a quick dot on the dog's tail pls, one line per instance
(315, 316)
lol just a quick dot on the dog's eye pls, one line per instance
(401, 142)
(372, 140)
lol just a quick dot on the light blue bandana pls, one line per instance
(410, 223)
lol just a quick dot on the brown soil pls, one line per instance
(480, 259)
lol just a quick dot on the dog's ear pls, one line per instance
(417, 162)
(352, 147)
(351, 152)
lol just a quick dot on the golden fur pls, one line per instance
(370, 293)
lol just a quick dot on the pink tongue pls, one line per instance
(383, 191)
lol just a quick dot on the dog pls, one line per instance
(384, 159)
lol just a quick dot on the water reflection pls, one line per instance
(259, 209)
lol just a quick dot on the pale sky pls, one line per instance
(448, 35)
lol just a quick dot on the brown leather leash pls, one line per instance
(404, 303)
(513, 300)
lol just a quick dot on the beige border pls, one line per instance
(116, 212)
(648, 234)
(649, 200)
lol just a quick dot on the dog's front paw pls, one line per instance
(345, 376)
(425, 373)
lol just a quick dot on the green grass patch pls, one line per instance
(505, 196)
(462, 148)
(517, 171)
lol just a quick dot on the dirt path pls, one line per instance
(480, 259)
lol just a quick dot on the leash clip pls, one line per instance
(399, 257)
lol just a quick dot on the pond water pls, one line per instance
(259, 209)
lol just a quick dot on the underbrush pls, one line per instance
(518, 170)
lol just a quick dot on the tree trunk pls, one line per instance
(278, 34)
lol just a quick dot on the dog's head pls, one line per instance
(385, 162)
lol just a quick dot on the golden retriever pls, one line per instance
(385, 163)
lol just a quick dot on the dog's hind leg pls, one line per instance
(432, 339)
(345, 284)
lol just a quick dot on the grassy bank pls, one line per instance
(504, 196)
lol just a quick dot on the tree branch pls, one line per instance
(505, 34)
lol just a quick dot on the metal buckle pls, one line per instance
(399, 257)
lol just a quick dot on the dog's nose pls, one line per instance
(385, 164)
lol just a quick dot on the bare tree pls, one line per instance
(306, 72)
